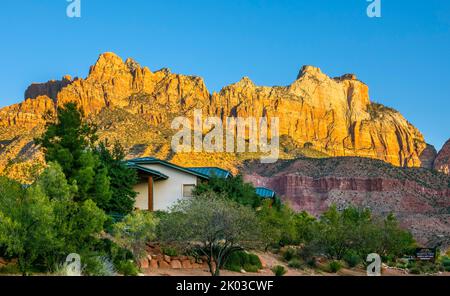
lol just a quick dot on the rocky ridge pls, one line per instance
(134, 105)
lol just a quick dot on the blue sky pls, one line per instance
(403, 56)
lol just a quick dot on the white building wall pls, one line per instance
(165, 192)
(142, 196)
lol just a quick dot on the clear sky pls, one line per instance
(404, 56)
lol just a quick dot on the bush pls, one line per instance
(10, 269)
(170, 251)
(127, 268)
(279, 270)
(250, 268)
(312, 262)
(352, 259)
(254, 260)
(414, 270)
(334, 266)
(98, 266)
(295, 263)
(289, 254)
(241, 260)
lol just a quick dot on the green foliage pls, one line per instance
(42, 224)
(169, 251)
(352, 259)
(295, 263)
(241, 260)
(334, 266)
(282, 226)
(212, 225)
(94, 265)
(279, 270)
(69, 142)
(121, 179)
(356, 231)
(10, 269)
(135, 231)
(127, 268)
(26, 222)
(233, 188)
(289, 253)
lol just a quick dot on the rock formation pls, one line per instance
(442, 161)
(334, 116)
(419, 198)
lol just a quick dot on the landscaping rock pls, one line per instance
(154, 264)
(175, 264)
(163, 264)
(186, 264)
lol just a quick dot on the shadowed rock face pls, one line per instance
(332, 115)
(428, 156)
(420, 198)
(442, 161)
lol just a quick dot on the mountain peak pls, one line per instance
(308, 69)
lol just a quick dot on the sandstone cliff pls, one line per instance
(132, 104)
(442, 161)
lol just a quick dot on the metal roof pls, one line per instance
(265, 192)
(212, 172)
(154, 160)
(158, 175)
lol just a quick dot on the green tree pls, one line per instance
(135, 231)
(395, 241)
(75, 223)
(69, 141)
(212, 225)
(278, 225)
(26, 222)
(355, 231)
(121, 179)
(233, 188)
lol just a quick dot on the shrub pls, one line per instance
(250, 268)
(352, 259)
(446, 261)
(414, 270)
(312, 262)
(289, 254)
(334, 266)
(295, 263)
(170, 251)
(254, 260)
(135, 231)
(10, 269)
(241, 260)
(98, 266)
(127, 268)
(279, 270)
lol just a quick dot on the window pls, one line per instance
(188, 189)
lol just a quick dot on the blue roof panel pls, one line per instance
(212, 172)
(265, 192)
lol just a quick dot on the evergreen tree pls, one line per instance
(69, 141)
(122, 179)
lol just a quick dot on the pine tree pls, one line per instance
(69, 141)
